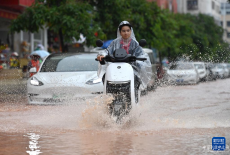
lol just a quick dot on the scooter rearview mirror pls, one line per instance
(142, 42)
(99, 43)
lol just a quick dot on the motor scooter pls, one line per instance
(119, 81)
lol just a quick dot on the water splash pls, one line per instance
(96, 116)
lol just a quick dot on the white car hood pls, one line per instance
(74, 78)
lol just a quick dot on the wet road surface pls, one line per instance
(170, 120)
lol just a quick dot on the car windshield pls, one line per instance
(70, 63)
(181, 67)
(199, 66)
(211, 66)
(220, 66)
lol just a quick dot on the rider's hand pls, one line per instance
(99, 57)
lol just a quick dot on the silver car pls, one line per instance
(200, 66)
(226, 70)
(64, 77)
(219, 71)
(152, 83)
(182, 73)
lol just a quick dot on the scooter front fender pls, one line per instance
(120, 72)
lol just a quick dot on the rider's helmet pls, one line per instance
(124, 23)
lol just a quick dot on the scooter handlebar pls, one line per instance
(132, 58)
(141, 59)
(102, 62)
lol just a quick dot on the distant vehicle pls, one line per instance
(182, 73)
(152, 83)
(228, 66)
(226, 70)
(210, 75)
(200, 66)
(219, 71)
(64, 77)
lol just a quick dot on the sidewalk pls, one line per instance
(8, 74)
(12, 87)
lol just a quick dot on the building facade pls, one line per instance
(166, 4)
(208, 7)
(9, 10)
(225, 20)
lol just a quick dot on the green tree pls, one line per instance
(109, 14)
(162, 29)
(176, 34)
(206, 37)
(64, 17)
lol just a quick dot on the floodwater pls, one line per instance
(171, 120)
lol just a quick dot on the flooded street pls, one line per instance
(170, 120)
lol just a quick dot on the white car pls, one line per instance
(228, 66)
(226, 70)
(152, 84)
(182, 73)
(219, 71)
(210, 75)
(200, 66)
(64, 77)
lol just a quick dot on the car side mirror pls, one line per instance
(99, 43)
(33, 70)
(142, 42)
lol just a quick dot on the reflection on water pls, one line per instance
(119, 142)
(33, 144)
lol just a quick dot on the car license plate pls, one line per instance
(180, 80)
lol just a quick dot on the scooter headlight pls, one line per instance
(35, 82)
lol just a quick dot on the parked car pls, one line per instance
(218, 71)
(200, 66)
(182, 73)
(210, 75)
(64, 77)
(226, 70)
(228, 66)
(152, 84)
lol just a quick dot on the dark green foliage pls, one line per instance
(109, 14)
(71, 18)
(206, 39)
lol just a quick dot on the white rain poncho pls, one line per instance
(142, 69)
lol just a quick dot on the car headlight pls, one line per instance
(93, 81)
(35, 82)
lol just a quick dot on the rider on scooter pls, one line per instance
(126, 40)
